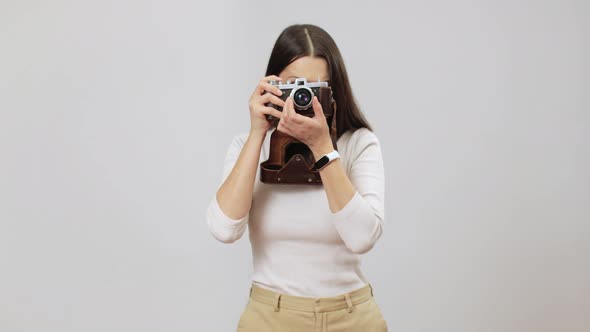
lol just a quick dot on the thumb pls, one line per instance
(317, 108)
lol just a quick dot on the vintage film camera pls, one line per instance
(290, 160)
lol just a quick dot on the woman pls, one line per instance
(306, 239)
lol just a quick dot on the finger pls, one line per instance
(295, 117)
(259, 90)
(272, 111)
(265, 86)
(288, 104)
(282, 127)
(317, 108)
(269, 97)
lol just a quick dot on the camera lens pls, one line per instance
(302, 97)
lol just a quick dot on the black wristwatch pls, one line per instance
(325, 160)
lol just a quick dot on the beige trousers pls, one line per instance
(268, 311)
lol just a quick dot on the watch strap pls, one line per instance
(325, 160)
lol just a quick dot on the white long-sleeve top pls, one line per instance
(299, 247)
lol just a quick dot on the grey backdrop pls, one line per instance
(116, 116)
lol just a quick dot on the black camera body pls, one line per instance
(302, 93)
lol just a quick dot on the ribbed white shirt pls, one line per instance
(299, 247)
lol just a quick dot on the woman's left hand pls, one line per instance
(314, 132)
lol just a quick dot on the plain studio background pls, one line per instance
(116, 116)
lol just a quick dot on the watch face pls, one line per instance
(321, 162)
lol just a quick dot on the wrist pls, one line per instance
(325, 146)
(257, 133)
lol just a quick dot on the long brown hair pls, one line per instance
(301, 40)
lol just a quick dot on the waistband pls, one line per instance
(312, 304)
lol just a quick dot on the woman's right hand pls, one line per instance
(264, 93)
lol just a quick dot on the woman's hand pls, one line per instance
(264, 93)
(314, 132)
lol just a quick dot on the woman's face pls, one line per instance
(310, 68)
